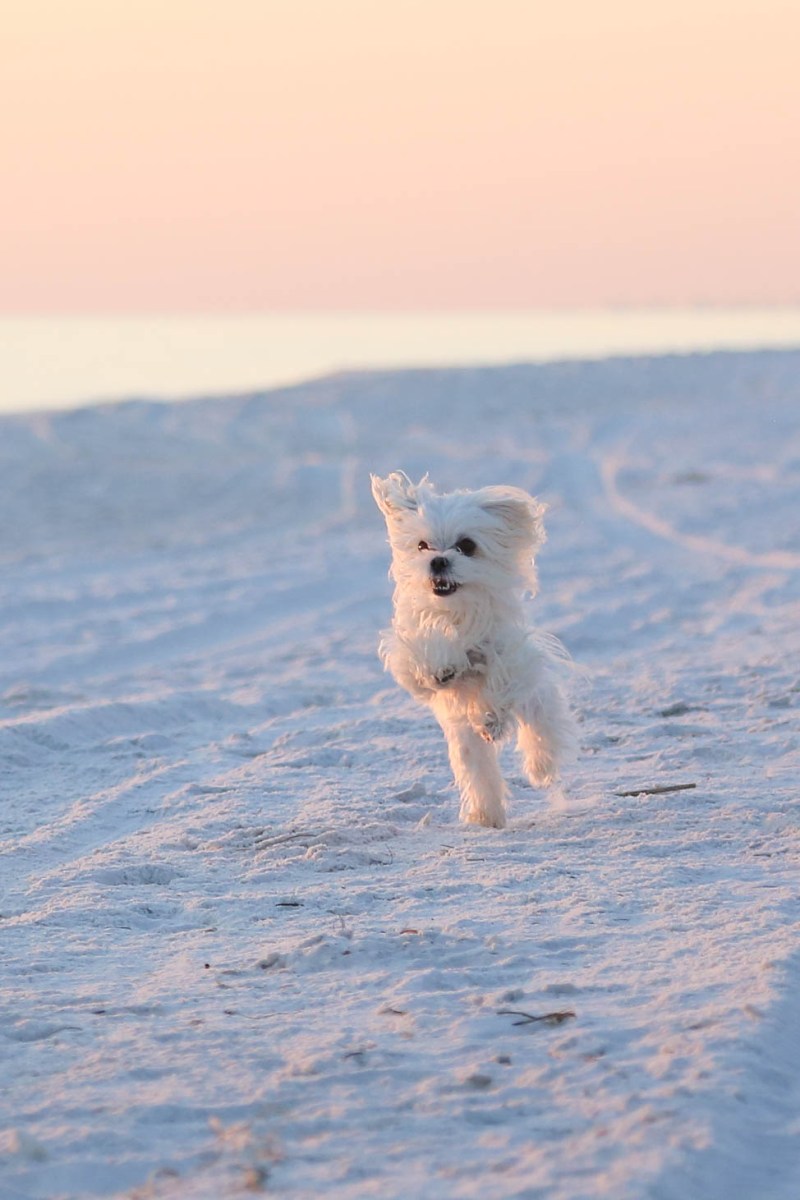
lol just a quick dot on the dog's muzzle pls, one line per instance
(441, 583)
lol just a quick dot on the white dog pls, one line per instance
(459, 641)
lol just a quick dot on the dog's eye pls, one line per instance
(423, 546)
(466, 546)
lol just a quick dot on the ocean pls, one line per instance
(71, 361)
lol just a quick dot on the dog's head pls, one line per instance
(443, 543)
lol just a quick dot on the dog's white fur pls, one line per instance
(468, 651)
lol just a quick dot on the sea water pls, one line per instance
(69, 361)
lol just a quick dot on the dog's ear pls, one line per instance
(521, 514)
(394, 494)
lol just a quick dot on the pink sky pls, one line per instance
(189, 155)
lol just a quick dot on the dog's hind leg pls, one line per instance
(477, 773)
(546, 735)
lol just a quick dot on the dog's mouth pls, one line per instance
(442, 586)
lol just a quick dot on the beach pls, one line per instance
(247, 944)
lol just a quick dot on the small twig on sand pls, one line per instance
(658, 789)
(294, 835)
(551, 1018)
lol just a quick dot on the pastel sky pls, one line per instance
(231, 155)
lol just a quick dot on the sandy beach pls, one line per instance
(247, 945)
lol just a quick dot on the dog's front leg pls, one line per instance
(400, 659)
(423, 665)
(442, 660)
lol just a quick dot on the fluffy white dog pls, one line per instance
(459, 642)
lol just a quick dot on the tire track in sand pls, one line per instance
(610, 467)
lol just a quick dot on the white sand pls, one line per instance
(245, 942)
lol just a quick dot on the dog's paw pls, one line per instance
(541, 769)
(445, 675)
(491, 815)
(493, 726)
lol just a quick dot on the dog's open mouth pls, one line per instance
(443, 587)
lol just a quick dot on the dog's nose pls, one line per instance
(439, 565)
